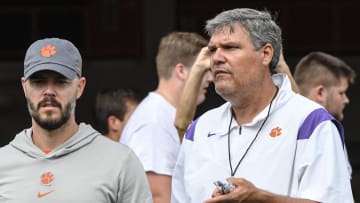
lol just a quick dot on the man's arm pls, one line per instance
(282, 67)
(185, 111)
(160, 187)
(133, 184)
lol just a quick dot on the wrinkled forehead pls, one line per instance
(229, 33)
(229, 28)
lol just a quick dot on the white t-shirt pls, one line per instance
(289, 157)
(151, 133)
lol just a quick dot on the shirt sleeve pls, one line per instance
(134, 186)
(156, 148)
(321, 168)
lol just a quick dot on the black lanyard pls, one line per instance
(252, 142)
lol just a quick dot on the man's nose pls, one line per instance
(217, 57)
(49, 89)
(347, 101)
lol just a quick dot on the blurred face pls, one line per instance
(336, 99)
(207, 79)
(235, 64)
(51, 98)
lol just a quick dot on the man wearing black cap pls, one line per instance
(58, 160)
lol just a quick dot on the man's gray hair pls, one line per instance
(260, 25)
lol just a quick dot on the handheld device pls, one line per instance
(224, 187)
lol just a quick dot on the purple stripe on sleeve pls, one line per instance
(313, 120)
(190, 132)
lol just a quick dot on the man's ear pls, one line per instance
(267, 52)
(319, 94)
(112, 123)
(80, 86)
(181, 71)
(23, 81)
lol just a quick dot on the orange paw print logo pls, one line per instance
(275, 132)
(47, 178)
(48, 50)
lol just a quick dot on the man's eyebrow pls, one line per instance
(223, 44)
(61, 77)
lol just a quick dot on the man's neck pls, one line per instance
(170, 91)
(113, 135)
(247, 110)
(50, 139)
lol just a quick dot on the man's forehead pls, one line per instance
(227, 33)
(220, 38)
(229, 28)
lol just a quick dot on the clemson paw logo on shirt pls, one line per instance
(47, 178)
(48, 50)
(275, 132)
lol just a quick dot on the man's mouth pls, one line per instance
(49, 103)
(219, 73)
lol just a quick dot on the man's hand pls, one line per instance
(185, 111)
(202, 62)
(243, 190)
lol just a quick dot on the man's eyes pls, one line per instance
(37, 81)
(62, 81)
(212, 49)
(228, 47)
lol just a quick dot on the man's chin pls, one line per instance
(49, 111)
(50, 122)
(339, 117)
(50, 118)
(50, 125)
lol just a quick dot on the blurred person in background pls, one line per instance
(150, 130)
(325, 79)
(113, 108)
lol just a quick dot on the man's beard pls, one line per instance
(50, 123)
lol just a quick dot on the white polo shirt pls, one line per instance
(299, 151)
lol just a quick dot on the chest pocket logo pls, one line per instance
(47, 178)
(275, 132)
